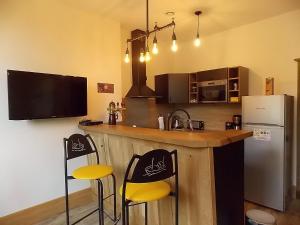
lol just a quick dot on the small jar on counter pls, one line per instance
(229, 125)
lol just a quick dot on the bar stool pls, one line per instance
(79, 145)
(147, 181)
(259, 217)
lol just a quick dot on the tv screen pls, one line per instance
(38, 95)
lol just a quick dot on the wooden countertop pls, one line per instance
(201, 139)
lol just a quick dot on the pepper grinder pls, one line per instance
(237, 122)
(113, 114)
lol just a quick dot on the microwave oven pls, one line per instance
(212, 91)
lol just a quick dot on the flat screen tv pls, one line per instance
(39, 96)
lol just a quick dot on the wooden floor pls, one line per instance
(291, 217)
(76, 214)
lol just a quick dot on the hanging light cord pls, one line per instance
(155, 28)
(198, 13)
(198, 27)
(174, 35)
(173, 25)
(147, 46)
(146, 35)
(147, 18)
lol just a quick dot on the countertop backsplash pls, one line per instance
(143, 112)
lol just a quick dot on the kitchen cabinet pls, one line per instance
(214, 74)
(172, 88)
(238, 84)
(235, 77)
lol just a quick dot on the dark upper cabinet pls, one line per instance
(172, 88)
(215, 74)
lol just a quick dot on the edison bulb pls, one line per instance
(197, 42)
(142, 57)
(155, 49)
(174, 46)
(127, 59)
(147, 56)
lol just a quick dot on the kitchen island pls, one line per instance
(211, 171)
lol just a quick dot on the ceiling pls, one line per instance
(218, 15)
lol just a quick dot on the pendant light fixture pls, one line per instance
(142, 56)
(145, 55)
(155, 48)
(197, 41)
(174, 46)
(127, 58)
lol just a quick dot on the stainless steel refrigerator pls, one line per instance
(268, 152)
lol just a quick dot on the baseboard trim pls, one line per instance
(47, 210)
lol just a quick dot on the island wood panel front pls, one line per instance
(196, 180)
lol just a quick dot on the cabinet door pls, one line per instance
(161, 88)
(215, 74)
(178, 88)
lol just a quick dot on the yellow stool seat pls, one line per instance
(146, 192)
(92, 172)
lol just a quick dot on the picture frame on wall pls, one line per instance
(105, 88)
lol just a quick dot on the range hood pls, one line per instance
(139, 88)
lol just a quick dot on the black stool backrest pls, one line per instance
(153, 166)
(79, 145)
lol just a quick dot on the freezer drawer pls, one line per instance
(264, 109)
(264, 166)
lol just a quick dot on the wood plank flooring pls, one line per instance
(291, 217)
(76, 214)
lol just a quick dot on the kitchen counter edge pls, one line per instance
(203, 139)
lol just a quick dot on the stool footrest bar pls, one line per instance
(85, 216)
(117, 220)
(137, 203)
(108, 196)
(107, 214)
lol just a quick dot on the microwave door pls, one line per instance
(213, 91)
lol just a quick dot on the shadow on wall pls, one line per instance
(144, 112)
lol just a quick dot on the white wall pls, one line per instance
(47, 36)
(267, 48)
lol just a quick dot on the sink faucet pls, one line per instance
(189, 121)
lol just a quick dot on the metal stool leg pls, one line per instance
(102, 204)
(67, 201)
(123, 214)
(115, 197)
(100, 201)
(146, 213)
(127, 214)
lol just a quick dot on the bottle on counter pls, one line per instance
(161, 123)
